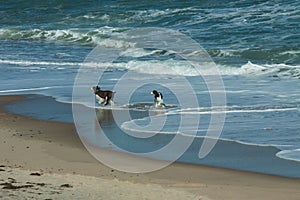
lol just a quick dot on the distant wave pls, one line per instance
(272, 70)
(75, 36)
(174, 67)
(47, 63)
(104, 36)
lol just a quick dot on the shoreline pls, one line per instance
(54, 148)
(225, 154)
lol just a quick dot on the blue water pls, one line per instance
(254, 44)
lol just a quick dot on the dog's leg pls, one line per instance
(106, 101)
(99, 99)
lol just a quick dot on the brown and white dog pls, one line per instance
(103, 96)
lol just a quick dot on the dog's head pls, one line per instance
(155, 93)
(95, 89)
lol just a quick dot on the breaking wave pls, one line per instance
(172, 67)
(93, 37)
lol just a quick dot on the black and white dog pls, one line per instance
(158, 99)
(103, 96)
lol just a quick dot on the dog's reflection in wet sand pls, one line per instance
(104, 117)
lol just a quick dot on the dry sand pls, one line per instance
(46, 160)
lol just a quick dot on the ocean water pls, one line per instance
(255, 46)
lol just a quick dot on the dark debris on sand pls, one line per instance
(66, 186)
(10, 186)
(35, 174)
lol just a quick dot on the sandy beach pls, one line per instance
(46, 160)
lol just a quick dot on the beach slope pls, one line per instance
(46, 160)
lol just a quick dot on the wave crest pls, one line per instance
(76, 36)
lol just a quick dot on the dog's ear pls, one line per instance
(154, 92)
